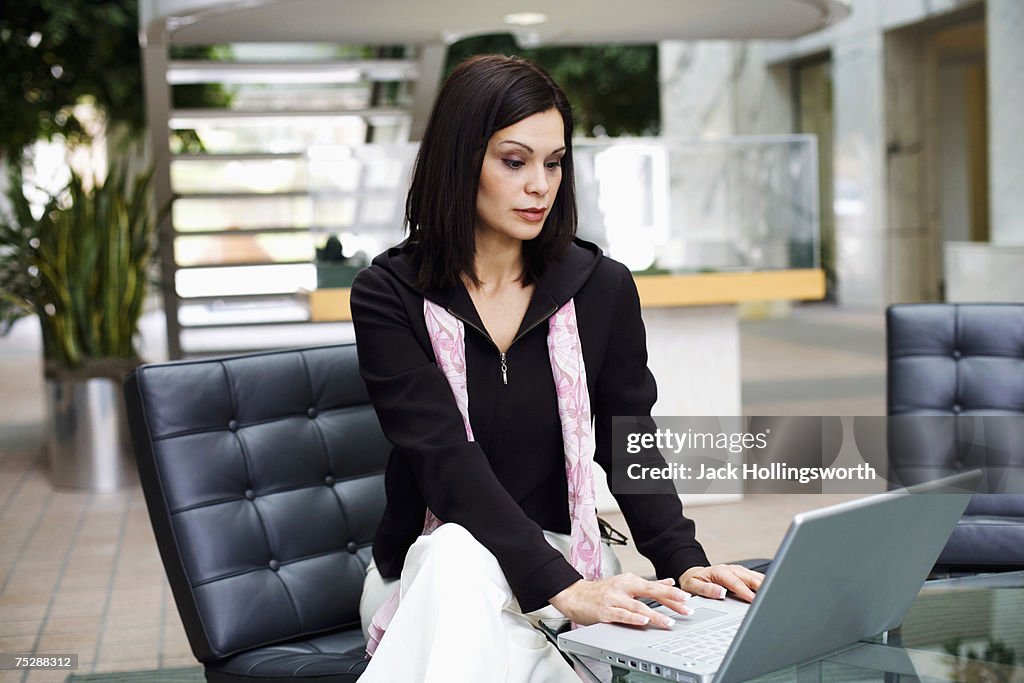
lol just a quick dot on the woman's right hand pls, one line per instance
(614, 600)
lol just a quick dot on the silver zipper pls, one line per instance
(501, 354)
(527, 330)
(483, 332)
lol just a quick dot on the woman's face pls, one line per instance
(519, 178)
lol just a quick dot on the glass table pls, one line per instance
(968, 629)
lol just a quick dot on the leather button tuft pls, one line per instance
(352, 547)
(957, 408)
(233, 425)
(250, 494)
(329, 480)
(274, 565)
(311, 413)
(957, 354)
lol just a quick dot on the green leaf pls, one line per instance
(94, 249)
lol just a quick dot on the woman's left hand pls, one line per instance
(713, 581)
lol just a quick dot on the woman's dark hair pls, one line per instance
(481, 96)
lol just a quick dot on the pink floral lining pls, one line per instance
(565, 351)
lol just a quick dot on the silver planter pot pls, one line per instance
(87, 441)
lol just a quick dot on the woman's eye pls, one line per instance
(513, 163)
(553, 164)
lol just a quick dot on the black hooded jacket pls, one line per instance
(509, 484)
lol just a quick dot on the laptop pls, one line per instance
(842, 573)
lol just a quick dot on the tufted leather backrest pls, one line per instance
(263, 475)
(959, 361)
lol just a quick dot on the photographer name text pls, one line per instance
(734, 472)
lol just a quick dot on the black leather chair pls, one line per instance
(263, 475)
(954, 363)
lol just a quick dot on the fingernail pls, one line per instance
(684, 595)
(666, 622)
(721, 592)
(645, 621)
(687, 610)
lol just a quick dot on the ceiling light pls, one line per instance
(526, 18)
(527, 39)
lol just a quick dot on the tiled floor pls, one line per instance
(79, 573)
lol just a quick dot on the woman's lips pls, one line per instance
(532, 215)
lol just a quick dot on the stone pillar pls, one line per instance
(994, 271)
(914, 243)
(697, 101)
(1004, 27)
(697, 89)
(862, 241)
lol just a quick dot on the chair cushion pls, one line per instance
(983, 541)
(336, 657)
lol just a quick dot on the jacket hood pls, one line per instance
(561, 280)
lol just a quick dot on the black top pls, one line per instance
(509, 484)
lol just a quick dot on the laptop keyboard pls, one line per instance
(704, 645)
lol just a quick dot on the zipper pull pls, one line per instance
(504, 370)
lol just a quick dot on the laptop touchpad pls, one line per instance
(699, 615)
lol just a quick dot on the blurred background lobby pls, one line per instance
(775, 173)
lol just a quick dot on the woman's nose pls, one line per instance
(537, 183)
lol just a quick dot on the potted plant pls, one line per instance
(82, 269)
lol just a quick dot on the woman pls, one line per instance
(488, 340)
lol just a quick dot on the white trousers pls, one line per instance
(458, 619)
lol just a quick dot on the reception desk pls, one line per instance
(657, 291)
(693, 334)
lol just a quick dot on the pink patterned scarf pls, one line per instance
(447, 337)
